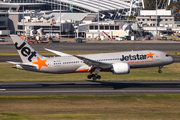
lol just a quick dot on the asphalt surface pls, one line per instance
(90, 87)
(103, 45)
(99, 46)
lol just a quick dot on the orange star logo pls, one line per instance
(150, 55)
(40, 63)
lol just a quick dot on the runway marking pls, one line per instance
(151, 48)
(47, 44)
(2, 89)
(137, 48)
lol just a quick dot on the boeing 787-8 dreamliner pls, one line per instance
(116, 62)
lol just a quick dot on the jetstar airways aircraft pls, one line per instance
(117, 62)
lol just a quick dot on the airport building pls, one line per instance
(48, 23)
(38, 15)
(80, 5)
(3, 20)
(106, 31)
(108, 9)
(166, 23)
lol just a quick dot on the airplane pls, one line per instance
(116, 62)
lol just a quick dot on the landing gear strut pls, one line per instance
(160, 71)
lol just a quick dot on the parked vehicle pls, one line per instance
(147, 37)
(33, 41)
(78, 40)
(164, 38)
(4, 32)
(119, 38)
(2, 39)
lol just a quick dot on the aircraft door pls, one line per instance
(157, 56)
(51, 65)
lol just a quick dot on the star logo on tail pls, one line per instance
(150, 55)
(40, 63)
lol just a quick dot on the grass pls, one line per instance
(170, 72)
(98, 107)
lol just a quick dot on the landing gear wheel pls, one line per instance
(159, 71)
(98, 77)
(89, 76)
(94, 78)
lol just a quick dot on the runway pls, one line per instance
(90, 87)
(170, 47)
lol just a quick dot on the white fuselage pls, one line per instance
(136, 59)
(117, 62)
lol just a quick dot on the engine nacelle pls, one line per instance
(120, 68)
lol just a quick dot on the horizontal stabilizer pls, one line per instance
(16, 63)
(23, 64)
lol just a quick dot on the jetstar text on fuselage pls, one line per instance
(133, 57)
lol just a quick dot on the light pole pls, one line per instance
(60, 21)
(98, 22)
(156, 20)
(23, 22)
(51, 30)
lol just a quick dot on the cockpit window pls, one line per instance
(167, 55)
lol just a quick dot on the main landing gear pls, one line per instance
(94, 77)
(160, 71)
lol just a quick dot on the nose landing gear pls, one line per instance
(160, 71)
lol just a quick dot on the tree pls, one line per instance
(175, 7)
(151, 4)
(130, 17)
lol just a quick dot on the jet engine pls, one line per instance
(120, 68)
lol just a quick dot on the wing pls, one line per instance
(93, 63)
(57, 52)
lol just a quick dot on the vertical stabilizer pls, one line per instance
(26, 52)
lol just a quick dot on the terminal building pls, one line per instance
(106, 31)
(107, 9)
(166, 23)
(78, 5)
(73, 12)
